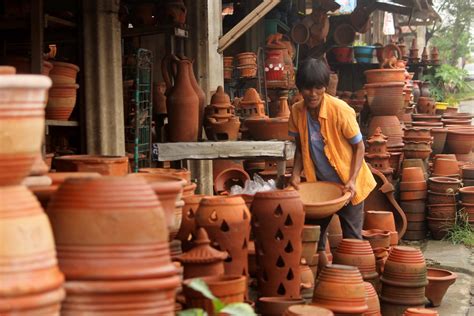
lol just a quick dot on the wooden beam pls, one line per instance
(246, 23)
(37, 32)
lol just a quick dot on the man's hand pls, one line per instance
(350, 187)
(295, 181)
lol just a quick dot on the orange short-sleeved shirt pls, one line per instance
(338, 125)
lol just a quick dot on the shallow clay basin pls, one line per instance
(321, 199)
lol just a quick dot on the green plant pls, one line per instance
(359, 43)
(446, 82)
(461, 232)
(234, 309)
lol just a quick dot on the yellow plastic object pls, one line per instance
(321, 199)
(441, 105)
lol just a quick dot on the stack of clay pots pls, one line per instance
(414, 56)
(442, 204)
(385, 98)
(467, 173)
(31, 283)
(457, 119)
(228, 67)
(413, 193)
(403, 281)
(380, 242)
(63, 93)
(247, 64)
(382, 220)
(467, 204)
(378, 156)
(123, 259)
(418, 142)
(220, 122)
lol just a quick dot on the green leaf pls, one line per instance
(192, 312)
(200, 286)
(239, 309)
(218, 305)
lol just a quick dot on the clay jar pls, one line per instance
(31, 281)
(467, 194)
(460, 141)
(227, 221)
(61, 101)
(105, 165)
(439, 281)
(277, 221)
(183, 106)
(22, 102)
(276, 306)
(444, 184)
(341, 289)
(123, 255)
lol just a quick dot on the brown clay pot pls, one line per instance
(377, 238)
(227, 178)
(105, 165)
(201, 97)
(307, 310)
(413, 186)
(341, 289)
(405, 267)
(426, 105)
(444, 184)
(439, 281)
(180, 173)
(357, 253)
(460, 141)
(444, 211)
(441, 198)
(372, 300)
(227, 221)
(385, 75)
(445, 167)
(461, 122)
(22, 101)
(412, 174)
(228, 288)
(379, 220)
(30, 276)
(467, 194)
(188, 223)
(63, 73)
(390, 127)
(277, 222)
(385, 98)
(439, 227)
(61, 101)
(276, 306)
(439, 139)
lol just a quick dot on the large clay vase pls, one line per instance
(31, 283)
(277, 222)
(182, 104)
(61, 101)
(341, 289)
(22, 103)
(227, 221)
(112, 245)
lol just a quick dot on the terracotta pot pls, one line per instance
(63, 73)
(426, 105)
(277, 222)
(228, 178)
(420, 312)
(247, 71)
(276, 306)
(467, 171)
(372, 300)
(439, 227)
(460, 122)
(246, 58)
(427, 124)
(412, 174)
(441, 198)
(180, 173)
(379, 220)
(467, 194)
(460, 141)
(444, 184)
(334, 232)
(377, 238)
(417, 133)
(413, 186)
(416, 206)
(439, 139)
(227, 221)
(188, 223)
(310, 238)
(341, 289)
(28, 270)
(183, 106)
(412, 195)
(22, 101)
(385, 75)
(330, 200)
(426, 118)
(228, 288)
(444, 211)
(307, 310)
(385, 98)
(105, 165)
(61, 101)
(445, 167)
(268, 128)
(439, 281)
(405, 267)
(390, 127)
(357, 253)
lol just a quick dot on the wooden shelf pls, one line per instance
(61, 123)
(52, 21)
(49, 22)
(152, 30)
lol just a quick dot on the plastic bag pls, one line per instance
(253, 186)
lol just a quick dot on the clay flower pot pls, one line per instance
(460, 141)
(357, 253)
(341, 289)
(246, 58)
(277, 222)
(445, 167)
(412, 174)
(276, 306)
(467, 194)
(22, 101)
(391, 127)
(31, 280)
(441, 198)
(385, 98)
(61, 101)
(467, 171)
(228, 288)
(268, 128)
(229, 177)
(385, 75)
(307, 310)
(412, 195)
(439, 281)
(426, 105)
(377, 238)
(413, 186)
(330, 200)
(372, 300)
(227, 221)
(105, 165)
(444, 184)
(405, 267)
(381, 220)
(63, 73)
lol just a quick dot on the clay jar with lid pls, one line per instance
(31, 282)
(277, 222)
(341, 289)
(22, 103)
(124, 254)
(220, 121)
(439, 280)
(105, 165)
(227, 221)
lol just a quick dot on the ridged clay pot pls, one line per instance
(372, 301)
(61, 101)
(105, 165)
(441, 198)
(439, 280)
(439, 139)
(357, 253)
(467, 194)
(385, 98)
(442, 211)
(444, 184)
(385, 75)
(63, 73)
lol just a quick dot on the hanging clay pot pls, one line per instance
(105, 165)
(227, 221)
(439, 281)
(277, 222)
(202, 259)
(31, 282)
(22, 101)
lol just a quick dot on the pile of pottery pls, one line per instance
(279, 70)
(467, 204)
(247, 64)
(63, 93)
(377, 155)
(227, 173)
(380, 242)
(413, 57)
(220, 121)
(417, 142)
(31, 281)
(356, 100)
(467, 175)
(413, 193)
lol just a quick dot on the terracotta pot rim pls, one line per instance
(449, 275)
(444, 180)
(444, 194)
(279, 299)
(344, 197)
(66, 65)
(467, 190)
(280, 194)
(94, 158)
(22, 81)
(400, 70)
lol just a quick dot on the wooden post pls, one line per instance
(36, 33)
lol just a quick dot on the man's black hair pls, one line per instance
(312, 73)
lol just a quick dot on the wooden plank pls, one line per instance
(280, 150)
(61, 123)
(37, 24)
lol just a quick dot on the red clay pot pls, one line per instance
(357, 253)
(341, 289)
(276, 306)
(412, 174)
(439, 227)
(416, 206)
(467, 194)
(413, 186)
(277, 222)
(426, 105)
(439, 281)
(420, 312)
(417, 133)
(379, 220)
(441, 198)
(228, 288)
(268, 128)
(63, 73)
(385, 98)
(377, 238)
(461, 122)
(427, 124)
(61, 101)
(439, 139)
(444, 184)
(105, 165)
(372, 301)
(385, 75)
(412, 195)
(467, 171)
(201, 97)
(227, 221)
(390, 127)
(442, 211)
(426, 118)
(405, 267)
(460, 141)
(227, 178)
(445, 167)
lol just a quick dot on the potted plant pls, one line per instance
(363, 53)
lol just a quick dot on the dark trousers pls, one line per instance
(351, 218)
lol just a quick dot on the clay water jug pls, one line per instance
(182, 104)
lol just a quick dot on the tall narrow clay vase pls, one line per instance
(202, 100)
(112, 245)
(227, 221)
(30, 281)
(182, 104)
(277, 221)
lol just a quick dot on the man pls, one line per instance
(329, 147)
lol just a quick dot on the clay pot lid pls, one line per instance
(251, 96)
(377, 137)
(220, 97)
(308, 310)
(7, 70)
(202, 252)
(64, 64)
(25, 82)
(384, 84)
